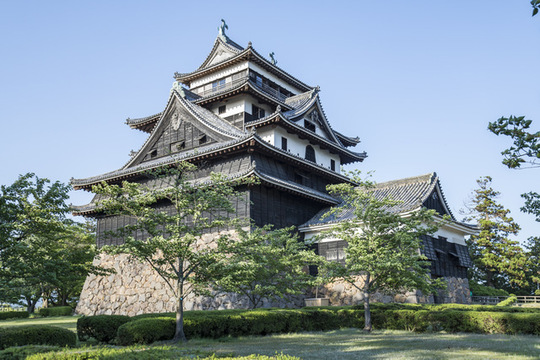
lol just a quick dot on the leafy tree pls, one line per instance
(536, 6)
(526, 146)
(265, 264)
(533, 262)
(383, 246)
(33, 227)
(175, 217)
(498, 261)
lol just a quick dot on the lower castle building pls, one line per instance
(241, 115)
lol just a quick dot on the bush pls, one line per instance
(23, 352)
(103, 328)
(482, 290)
(508, 302)
(146, 330)
(13, 315)
(36, 335)
(56, 311)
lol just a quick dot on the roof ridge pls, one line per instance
(409, 180)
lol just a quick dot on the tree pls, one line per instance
(526, 146)
(497, 260)
(383, 246)
(533, 263)
(536, 6)
(175, 216)
(33, 229)
(265, 264)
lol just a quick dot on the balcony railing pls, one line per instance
(231, 84)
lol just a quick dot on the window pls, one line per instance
(153, 154)
(284, 143)
(177, 146)
(332, 165)
(310, 153)
(218, 84)
(222, 109)
(257, 112)
(309, 125)
(202, 140)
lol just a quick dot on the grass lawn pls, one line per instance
(390, 344)
(339, 344)
(66, 322)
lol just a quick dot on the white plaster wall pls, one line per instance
(453, 235)
(297, 147)
(233, 106)
(275, 79)
(218, 75)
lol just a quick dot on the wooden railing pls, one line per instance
(494, 300)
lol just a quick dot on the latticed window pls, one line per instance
(310, 153)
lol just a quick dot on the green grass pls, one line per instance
(339, 344)
(66, 322)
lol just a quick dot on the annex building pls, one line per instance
(241, 115)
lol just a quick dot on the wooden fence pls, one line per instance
(494, 300)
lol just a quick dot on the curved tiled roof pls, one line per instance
(156, 163)
(133, 123)
(225, 42)
(353, 156)
(410, 193)
(248, 54)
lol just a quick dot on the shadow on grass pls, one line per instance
(355, 344)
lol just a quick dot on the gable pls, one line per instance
(435, 202)
(179, 133)
(220, 52)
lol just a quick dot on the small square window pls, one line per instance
(309, 125)
(284, 143)
(222, 109)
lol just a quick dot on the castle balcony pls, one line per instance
(221, 86)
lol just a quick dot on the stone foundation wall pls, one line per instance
(343, 293)
(137, 289)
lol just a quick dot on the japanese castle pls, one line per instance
(242, 115)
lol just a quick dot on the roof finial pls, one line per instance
(221, 30)
(274, 61)
(250, 44)
(278, 109)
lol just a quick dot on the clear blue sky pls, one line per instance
(417, 81)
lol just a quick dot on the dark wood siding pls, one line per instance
(434, 202)
(279, 208)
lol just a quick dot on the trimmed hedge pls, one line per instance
(56, 311)
(4, 315)
(103, 328)
(216, 324)
(36, 335)
(146, 330)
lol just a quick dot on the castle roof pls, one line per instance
(224, 54)
(410, 194)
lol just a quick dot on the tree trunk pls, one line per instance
(179, 333)
(367, 311)
(489, 278)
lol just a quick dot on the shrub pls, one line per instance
(23, 352)
(103, 328)
(56, 311)
(483, 290)
(13, 315)
(508, 302)
(146, 330)
(36, 335)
